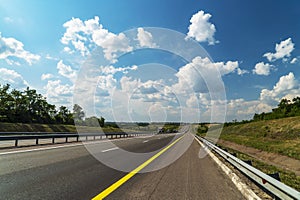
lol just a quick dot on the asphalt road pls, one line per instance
(73, 173)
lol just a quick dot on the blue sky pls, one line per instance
(43, 46)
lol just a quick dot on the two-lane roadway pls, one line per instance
(71, 172)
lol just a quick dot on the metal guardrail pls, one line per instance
(275, 187)
(53, 136)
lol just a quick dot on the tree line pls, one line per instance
(285, 108)
(28, 106)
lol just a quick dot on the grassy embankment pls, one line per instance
(281, 136)
(287, 177)
(109, 127)
(20, 127)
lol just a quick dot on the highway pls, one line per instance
(70, 171)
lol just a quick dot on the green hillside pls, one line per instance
(280, 136)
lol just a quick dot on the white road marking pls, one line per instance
(145, 141)
(62, 146)
(39, 149)
(111, 149)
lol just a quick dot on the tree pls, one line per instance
(101, 121)
(29, 107)
(5, 99)
(78, 113)
(64, 116)
(285, 108)
(91, 121)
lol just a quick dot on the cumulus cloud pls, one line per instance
(128, 84)
(282, 50)
(145, 38)
(192, 102)
(83, 34)
(13, 78)
(286, 85)
(66, 71)
(58, 93)
(262, 68)
(107, 82)
(241, 109)
(46, 76)
(191, 75)
(111, 43)
(201, 29)
(12, 48)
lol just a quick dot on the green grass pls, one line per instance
(287, 177)
(171, 127)
(20, 127)
(280, 136)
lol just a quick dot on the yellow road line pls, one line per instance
(120, 182)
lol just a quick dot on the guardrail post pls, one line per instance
(37, 141)
(86, 138)
(67, 139)
(16, 143)
(94, 137)
(77, 138)
(53, 140)
(275, 175)
(249, 162)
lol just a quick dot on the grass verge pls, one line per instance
(20, 127)
(281, 136)
(287, 177)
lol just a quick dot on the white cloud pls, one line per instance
(68, 50)
(192, 102)
(145, 38)
(12, 48)
(282, 50)
(286, 85)
(112, 70)
(107, 82)
(241, 109)
(66, 71)
(262, 69)
(111, 43)
(46, 76)
(50, 57)
(201, 71)
(201, 29)
(242, 71)
(13, 78)
(294, 60)
(12, 62)
(128, 84)
(58, 93)
(83, 34)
